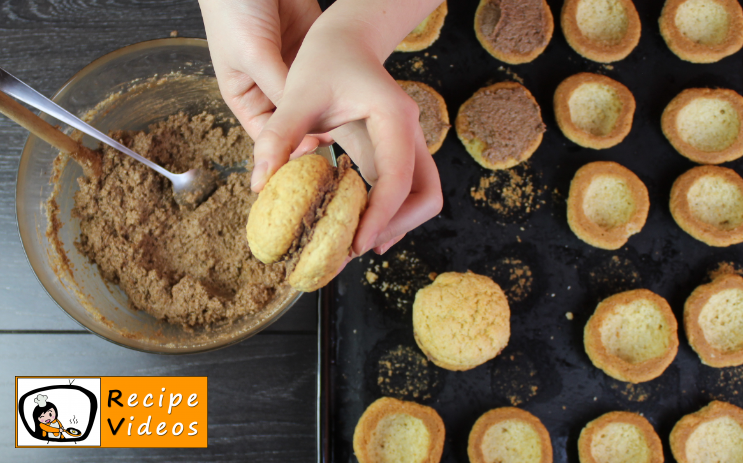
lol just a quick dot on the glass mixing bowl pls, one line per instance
(149, 81)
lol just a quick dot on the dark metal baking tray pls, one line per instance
(544, 369)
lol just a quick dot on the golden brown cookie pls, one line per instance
(514, 31)
(593, 110)
(702, 31)
(607, 204)
(500, 125)
(509, 435)
(434, 116)
(705, 125)
(713, 434)
(307, 215)
(601, 30)
(619, 437)
(632, 336)
(425, 33)
(461, 320)
(713, 320)
(392, 430)
(707, 203)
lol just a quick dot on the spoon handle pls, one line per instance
(14, 87)
(36, 125)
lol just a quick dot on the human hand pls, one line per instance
(338, 82)
(252, 45)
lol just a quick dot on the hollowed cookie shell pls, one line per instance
(702, 31)
(705, 125)
(594, 111)
(632, 336)
(713, 434)
(607, 204)
(601, 30)
(509, 435)
(713, 321)
(401, 430)
(425, 33)
(619, 437)
(707, 203)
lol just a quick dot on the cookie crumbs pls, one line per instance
(569, 315)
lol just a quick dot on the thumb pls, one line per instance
(281, 136)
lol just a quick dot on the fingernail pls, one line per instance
(369, 244)
(384, 248)
(257, 179)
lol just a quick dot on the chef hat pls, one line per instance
(40, 400)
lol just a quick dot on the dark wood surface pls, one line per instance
(271, 376)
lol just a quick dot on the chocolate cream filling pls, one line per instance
(506, 120)
(325, 194)
(514, 26)
(431, 117)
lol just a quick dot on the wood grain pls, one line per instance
(262, 391)
(261, 394)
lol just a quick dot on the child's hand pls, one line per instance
(252, 45)
(338, 82)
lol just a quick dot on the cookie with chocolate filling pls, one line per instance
(500, 125)
(434, 116)
(307, 215)
(514, 31)
(425, 33)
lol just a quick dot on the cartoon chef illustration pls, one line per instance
(46, 419)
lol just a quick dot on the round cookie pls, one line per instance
(509, 435)
(394, 430)
(500, 125)
(702, 31)
(607, 204)
(461, 320)
(707, 203)
(713, 321)
(425, 33)
(282, 205)
(514, 31)
(307, 215)
(594, 111)
(632, 336)
(601, 30)
(713, 434)
(434, 116)
(705, 125)
(619, 437)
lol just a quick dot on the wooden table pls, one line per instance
(262, 392)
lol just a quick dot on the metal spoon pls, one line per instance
(189, 188)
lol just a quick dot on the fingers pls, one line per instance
(424, 201)
(393, 136)
(381, 249)
(281, 136)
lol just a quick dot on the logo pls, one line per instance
(58, 412)
(111, 411)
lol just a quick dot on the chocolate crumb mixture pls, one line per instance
(515, 26)
(506, 120)
(186, 267)
(431, 117)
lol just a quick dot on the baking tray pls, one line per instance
(515, 230)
